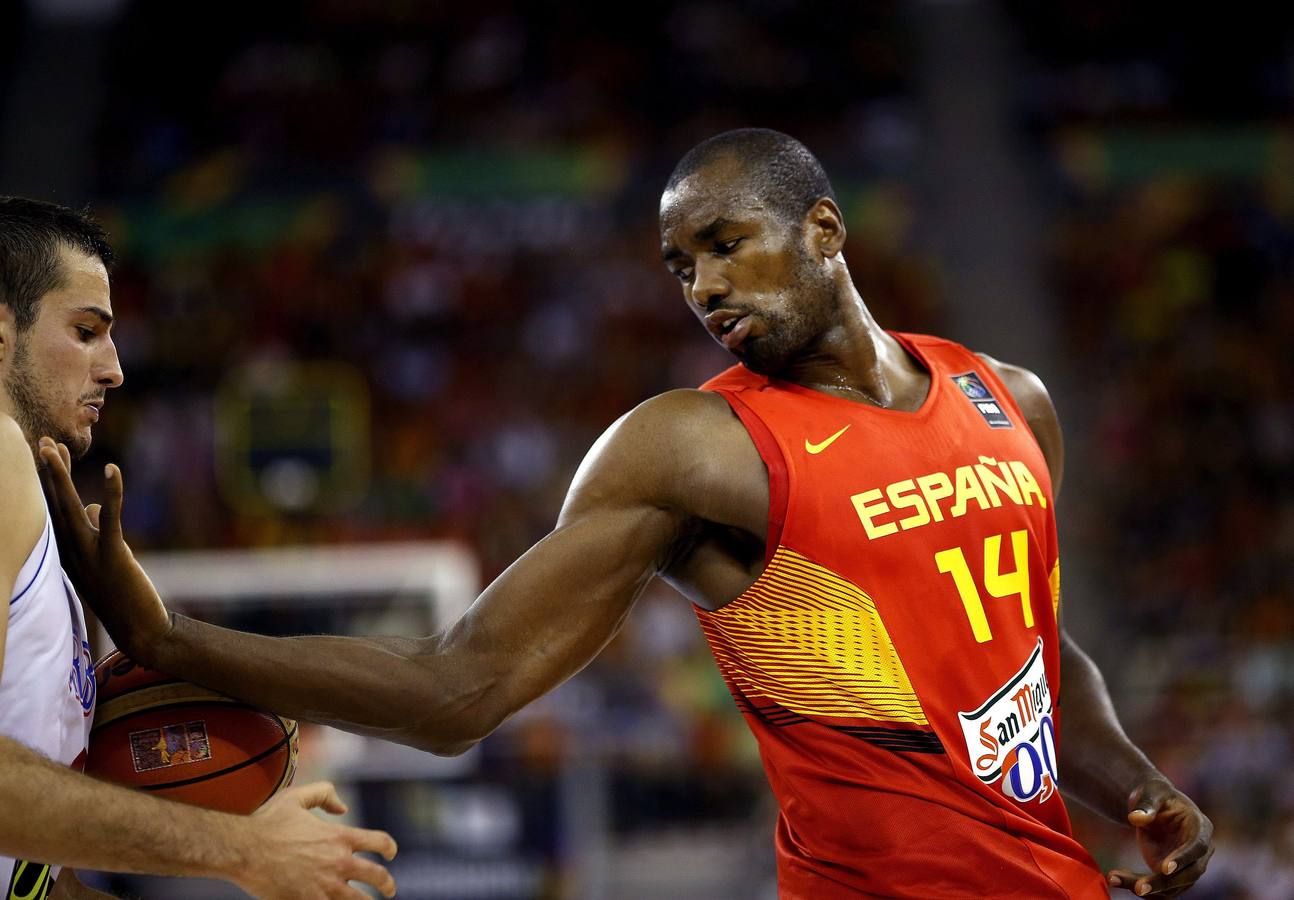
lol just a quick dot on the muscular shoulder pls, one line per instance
(683, 451)
(20, 500)
(1031, 396)
(17, 467)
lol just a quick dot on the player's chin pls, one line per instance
(761, 355)
(78, 441)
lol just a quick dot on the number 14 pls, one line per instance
(998, 583)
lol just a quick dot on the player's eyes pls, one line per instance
(85, 333)
(726, 247)
(683, 275)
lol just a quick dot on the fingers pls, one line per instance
(92, 513)
(320, 794)
(332, 801)
(65, 455)
(1124, 878)
(1144, 884)
(371, 873)
(371, 841)
(111, 515)
(64, 502)
(1140, 883)
(1166, 818)
(1195, 849)
(1185, 877)
(1194, 832)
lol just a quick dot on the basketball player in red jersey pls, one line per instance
(865, 522)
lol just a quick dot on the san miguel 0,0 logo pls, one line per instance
(1012, 736)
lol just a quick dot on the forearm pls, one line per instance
(395, 688)
(47, 811)
(1100, 766)
(536, 625)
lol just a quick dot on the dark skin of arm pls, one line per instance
(652, 497)
(1102, 768)
(675, 489)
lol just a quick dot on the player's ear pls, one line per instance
(826, 228)
(8, 333)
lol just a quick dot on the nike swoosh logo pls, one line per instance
(818, 448)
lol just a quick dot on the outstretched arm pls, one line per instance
(1101, 767)
(538, 624)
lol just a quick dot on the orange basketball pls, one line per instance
(156, 733)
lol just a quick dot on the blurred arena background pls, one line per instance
(389, 267)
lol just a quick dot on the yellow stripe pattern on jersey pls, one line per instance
(812, 642)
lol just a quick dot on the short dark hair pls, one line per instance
(782, 171)
(31, 234)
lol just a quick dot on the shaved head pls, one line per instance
(774, 167)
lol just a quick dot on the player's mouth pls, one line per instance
(729, 327)
(92, 408)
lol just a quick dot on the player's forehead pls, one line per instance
(692, 208)
(83, 284)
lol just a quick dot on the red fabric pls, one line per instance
(855, 657)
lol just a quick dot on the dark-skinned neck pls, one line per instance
(855, 359)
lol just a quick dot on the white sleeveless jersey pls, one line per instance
(46, 689)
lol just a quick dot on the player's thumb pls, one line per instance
(321, 795)
(1143, 805)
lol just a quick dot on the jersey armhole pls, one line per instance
(33, 569)
(771, 453)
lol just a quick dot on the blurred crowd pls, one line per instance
(1182, 287)
(457, 202)
(1173, 263)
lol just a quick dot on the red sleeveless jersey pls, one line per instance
(898, 659)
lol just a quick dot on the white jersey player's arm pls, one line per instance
(52, 814)
(22, 512)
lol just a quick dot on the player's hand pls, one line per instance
(97, 559)
(1176, 841)
(292, 854)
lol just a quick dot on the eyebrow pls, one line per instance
(103, 314)
(704, 234)
(713, 228)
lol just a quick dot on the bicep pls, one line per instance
(551, 612)
(555, 608)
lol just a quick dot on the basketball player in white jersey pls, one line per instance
(57, 364)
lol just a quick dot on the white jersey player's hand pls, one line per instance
(97, 559)
(292, 854)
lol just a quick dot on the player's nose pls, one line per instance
(709, 287)
(108, 367)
